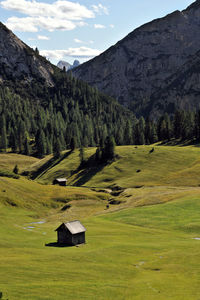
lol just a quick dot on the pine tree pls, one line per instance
(26, 147)
(109, 149)
(41, 144)
(56, 148)
(73, 144)
(82, 156)
(16, 169)
(3, 134)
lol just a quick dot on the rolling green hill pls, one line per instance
(134, 166)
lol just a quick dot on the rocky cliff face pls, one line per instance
(180, 91)
(19, 62)
(141, 64)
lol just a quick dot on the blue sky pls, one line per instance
(80, 29)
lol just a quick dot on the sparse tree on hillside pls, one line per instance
(16, 169)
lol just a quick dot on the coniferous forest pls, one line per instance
(74, 115)
(37, 119)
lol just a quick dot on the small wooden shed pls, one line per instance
(71, 233)
(60, 181)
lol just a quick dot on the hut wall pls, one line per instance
(78, 238)
(64, 237)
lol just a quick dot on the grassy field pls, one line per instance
(177, 166)
(9, 160)
(147, 247)
(141, 253)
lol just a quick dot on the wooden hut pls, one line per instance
(60, 181)
(71, 233)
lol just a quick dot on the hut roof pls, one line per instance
(74, 227)
(61, 179)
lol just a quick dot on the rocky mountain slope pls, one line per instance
(181, 90)
(20, 62)
(141, 64)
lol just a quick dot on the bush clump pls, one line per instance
(9, 174)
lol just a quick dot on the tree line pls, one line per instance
(39, 120)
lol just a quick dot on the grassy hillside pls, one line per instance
(135, 166)
(42, 200)
(9, 160)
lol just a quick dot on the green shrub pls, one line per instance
(4, 173)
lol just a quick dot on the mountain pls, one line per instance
(45, 110)
(61, 64)
(138, 66)
(181, 90)
(20, 62)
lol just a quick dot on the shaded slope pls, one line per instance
(138, 65)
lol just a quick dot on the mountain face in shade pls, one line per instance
(20, 62)
(61, 64)
(141, 65)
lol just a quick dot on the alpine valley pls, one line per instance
(118, 177)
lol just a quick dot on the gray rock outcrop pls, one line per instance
(140, 65)
(20, 62)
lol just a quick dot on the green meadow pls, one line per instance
(146, 247)
(134, 165)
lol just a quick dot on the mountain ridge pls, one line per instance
(137, 66)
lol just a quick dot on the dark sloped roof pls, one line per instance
(74, 227)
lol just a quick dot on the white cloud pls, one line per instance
(99, 26)
(60, 15)
(78, 41)
(112, 26)
(82, 52)
(43, 37)
(100, 9)
(82, 42)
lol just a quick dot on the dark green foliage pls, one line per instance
(73, 144)
(106, 150)
(4, 173)
(56, 148)
(71, 112)
(16, 169)
(26, 147)
(82, 156)
(37, 120)
(3, 134)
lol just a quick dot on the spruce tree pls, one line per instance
(82, 156)
(3, 134)
(56, 148)
(16, 169)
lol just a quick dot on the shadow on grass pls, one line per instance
(88, 170)
(58, 245)
(179, 142)
(52, 162)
